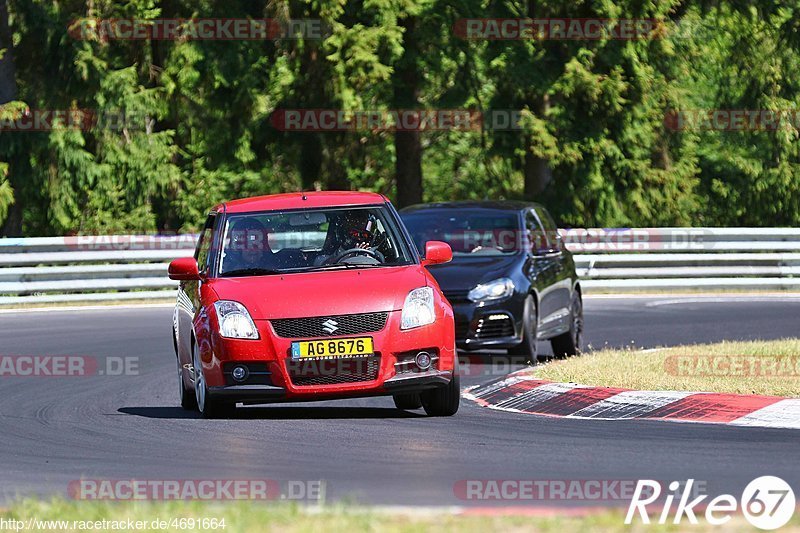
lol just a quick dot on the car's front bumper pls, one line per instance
(486, 326)
(389, 371)
(257, 394)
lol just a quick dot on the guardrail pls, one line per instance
(131, 267)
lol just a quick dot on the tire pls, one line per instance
(186, 394)
(527, 348)
(407, 402)
(569, 344)
(443, 401)
(208, 406)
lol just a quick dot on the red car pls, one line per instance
(312, 296)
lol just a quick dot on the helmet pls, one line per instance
(248, 234)
(356, 226)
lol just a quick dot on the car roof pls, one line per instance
(300, 200)
(498, 205)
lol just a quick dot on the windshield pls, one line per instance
(467, 231)
(276, 242)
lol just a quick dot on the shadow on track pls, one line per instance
(279, 413)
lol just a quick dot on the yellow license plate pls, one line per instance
(333, 348)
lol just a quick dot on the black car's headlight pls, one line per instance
(492, 291)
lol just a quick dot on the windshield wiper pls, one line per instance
(344, 265)
(252, 271)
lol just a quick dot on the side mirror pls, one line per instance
(184, 269)
(437, 252)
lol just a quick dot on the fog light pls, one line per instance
(423, 360)
(240, 373)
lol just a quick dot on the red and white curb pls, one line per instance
(522, 392)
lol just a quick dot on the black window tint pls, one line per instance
(550, 229)
(536, 235)
(204, 244)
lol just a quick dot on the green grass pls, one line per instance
(250, 516)
(759, 367)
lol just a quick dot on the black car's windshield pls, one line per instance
(278, 242)
(467, 231)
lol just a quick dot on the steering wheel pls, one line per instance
(363, 251)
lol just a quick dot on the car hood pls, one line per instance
(339, 292)
(465, 272)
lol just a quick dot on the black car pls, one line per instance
(511, 282)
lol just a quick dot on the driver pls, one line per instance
(353, 230)
(249, 246)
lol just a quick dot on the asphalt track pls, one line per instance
(55, 430)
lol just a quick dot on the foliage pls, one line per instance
(184, 124)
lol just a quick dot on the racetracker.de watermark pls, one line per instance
(197, 29)
(558, 29)
(761, 366)
(161, 241)
(732, 119)
(573, 490)
(37, 120)
(375, 120)
(196, 489)
(67, 366)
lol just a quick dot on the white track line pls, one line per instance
(630, 404)
(539, 394)
(783, 414)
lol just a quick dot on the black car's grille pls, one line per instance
(456, 296)
(493, 327)
(333, 371)
(329, 326)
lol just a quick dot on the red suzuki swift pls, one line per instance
(312, 296)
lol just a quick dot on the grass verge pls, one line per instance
(249, 516)
(758, 367)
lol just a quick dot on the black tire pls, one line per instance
(443, 401)
(208, 405)
(186, 394)
(569, 344)
(527, 348)
(407, 402)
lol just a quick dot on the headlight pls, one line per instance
(235, 321)
(418, 309)
(498, 289)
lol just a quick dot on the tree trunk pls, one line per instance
(310, 159)
(8, 82)
(537, 171)
(12, 227)
(407, 144)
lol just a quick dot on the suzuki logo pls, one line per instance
(330, 326)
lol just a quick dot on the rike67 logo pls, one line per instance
(768, 502)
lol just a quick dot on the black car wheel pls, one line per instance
(208, 405)
(527, 348)
(187, 396)
(569, 343)
(443, 401)
(407, 402)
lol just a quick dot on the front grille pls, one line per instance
(493, 327)
(329, 326)
(333, 371)
(456, 296)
